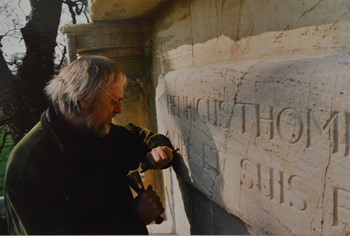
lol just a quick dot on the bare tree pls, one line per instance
(21, 93)
(37, 66)
(23, 75)
(21, 89)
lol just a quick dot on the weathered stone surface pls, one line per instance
(106, 10)
(268, 140)
(255, 95)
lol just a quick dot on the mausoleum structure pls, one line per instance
(254, 93)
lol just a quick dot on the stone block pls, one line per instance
(266, 140)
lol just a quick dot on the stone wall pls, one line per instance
(256, 96)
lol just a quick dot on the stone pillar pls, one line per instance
(71, 53)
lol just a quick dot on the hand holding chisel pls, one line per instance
(158, 158)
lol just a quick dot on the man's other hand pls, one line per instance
(148, 206)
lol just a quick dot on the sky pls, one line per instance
(13, 15)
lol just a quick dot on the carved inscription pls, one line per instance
(267, 140)
(274, 185)
(303, 125)
(341, 208)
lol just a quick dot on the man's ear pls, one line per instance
(83, 104)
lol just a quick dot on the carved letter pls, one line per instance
(170, 104)
(212, 113)
(296, 198)
(341, 208)
(247, 179)
(269, 120)
(243, 115)
(225, 114)
(265, 181)
(200, 112)
(179, 141)
(189, 108)
(333, 118)
(294, 138)
(347, 134)
(281, 186)
(177, 106)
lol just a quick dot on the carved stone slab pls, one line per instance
(267, 140)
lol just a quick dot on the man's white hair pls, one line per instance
(83, 79)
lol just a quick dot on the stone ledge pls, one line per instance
(102, 10)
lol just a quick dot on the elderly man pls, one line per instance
(68, 175)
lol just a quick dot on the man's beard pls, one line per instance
(101, 131)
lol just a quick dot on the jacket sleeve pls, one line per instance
(151, 139)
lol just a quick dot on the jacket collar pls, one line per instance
(64, 135)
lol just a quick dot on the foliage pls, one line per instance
(6, 144)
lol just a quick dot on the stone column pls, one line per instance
(71, 53)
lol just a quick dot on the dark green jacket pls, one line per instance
(61, 182)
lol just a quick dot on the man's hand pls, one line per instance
(158, 158)
(148, 206)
